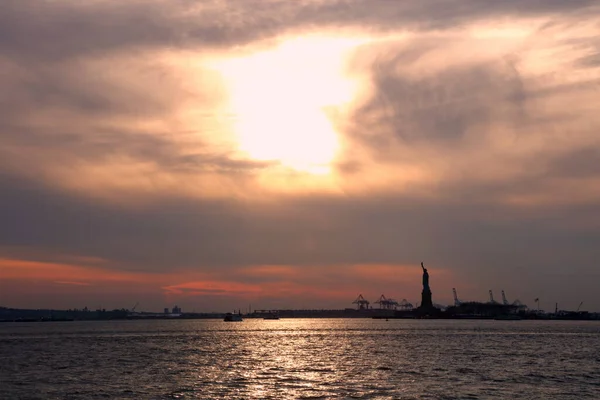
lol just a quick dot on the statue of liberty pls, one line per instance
(425, 278)
(426, 302)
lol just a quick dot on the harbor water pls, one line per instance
(300, 359)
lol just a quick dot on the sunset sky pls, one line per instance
(293, 154)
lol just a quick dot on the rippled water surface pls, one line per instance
(300, 359)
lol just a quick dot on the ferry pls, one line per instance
(229, 317)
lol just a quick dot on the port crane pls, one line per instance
(492, 301)
(504, 301)
(361, 302)
(457, 302)
(388, 304)
(578, 308)
(517, 303)
(405, 305)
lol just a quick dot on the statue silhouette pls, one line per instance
(426, 303)
(425, 278)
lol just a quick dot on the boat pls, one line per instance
(230, 317)
(271, 316)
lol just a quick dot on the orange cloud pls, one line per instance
(219, 288)
(49, 271)
(73, 283)
(331, 286)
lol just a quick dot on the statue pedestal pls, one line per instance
(426, 299)
(426, 309)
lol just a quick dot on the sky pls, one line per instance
(295, 154)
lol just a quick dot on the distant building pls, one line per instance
(166, 310)
(176, 310)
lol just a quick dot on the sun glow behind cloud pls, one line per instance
(284, 101)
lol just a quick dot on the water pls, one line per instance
(300, 359)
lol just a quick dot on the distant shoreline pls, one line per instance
(25, 315)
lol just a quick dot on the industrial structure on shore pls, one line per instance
(491, 309)
(404, 308)
(385, 307)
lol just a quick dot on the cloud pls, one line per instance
(72, 283)
(308, 284)
(128, 121)
(67, 29)
(211, 288)
(101, 130)
(471, 145)
(489, 123)
(578, 164)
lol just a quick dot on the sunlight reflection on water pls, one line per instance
(293, 358)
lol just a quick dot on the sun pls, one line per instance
(282, 101)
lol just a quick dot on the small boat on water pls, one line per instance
(271, 316)
(230, 317)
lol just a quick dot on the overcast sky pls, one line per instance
(293, 154)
